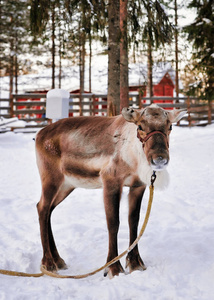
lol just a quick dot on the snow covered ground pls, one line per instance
(177, 246)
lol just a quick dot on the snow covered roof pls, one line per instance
(159, 70)
(70, 77)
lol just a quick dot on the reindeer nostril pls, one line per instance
(159, 162)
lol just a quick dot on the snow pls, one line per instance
(177, 246)
(70, 77)
(7, 123)
(138, 73)
(208, 21)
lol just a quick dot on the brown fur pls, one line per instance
(99, 152)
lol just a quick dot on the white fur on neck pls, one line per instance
(145, 172)
(132, 150)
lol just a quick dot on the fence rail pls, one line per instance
(31, 107)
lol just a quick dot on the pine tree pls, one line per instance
(201, 33)
(46, 16)
(151, 26)
(14, 38)
(124, 80)
(157, 31)
(113, 57)
(176, 50)
(88, 20)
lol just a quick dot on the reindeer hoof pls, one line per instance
(134, 263)
(61, 265)
(114, 270)
(49, 265)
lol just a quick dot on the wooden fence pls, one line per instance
(31, 107)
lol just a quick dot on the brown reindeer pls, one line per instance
(108, 153)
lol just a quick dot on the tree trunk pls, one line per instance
(176, 52)
(149, 66)
(60, 57)
(16, 64)
(11, 69)
(60, 66)
(16, 73)
(53, 47)
(113, 98)
(82, 67)
(90, 58)
(124, 71)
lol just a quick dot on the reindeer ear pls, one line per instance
(176, 114)
(130, 114)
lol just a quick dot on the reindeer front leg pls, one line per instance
(133, 259)
(112, 193)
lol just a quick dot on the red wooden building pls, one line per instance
(165, 87)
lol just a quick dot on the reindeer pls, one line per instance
(103, 152)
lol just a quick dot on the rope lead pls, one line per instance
(153, 178)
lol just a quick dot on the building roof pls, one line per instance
(70, 76)
(139, 71)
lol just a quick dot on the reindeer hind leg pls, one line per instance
(44, 212)
(61, 195)
(54, 191)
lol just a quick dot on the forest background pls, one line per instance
(38, 34)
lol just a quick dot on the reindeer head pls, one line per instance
(154, 125)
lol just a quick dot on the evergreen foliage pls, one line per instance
(152, 27)
(14, 35)
(149, 19)
(201, 34)
(64, 26)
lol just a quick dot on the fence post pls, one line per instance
(209, 112)
(188, 109)
(140, 100)
(93, 105)
(11, 105)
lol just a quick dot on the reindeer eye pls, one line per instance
(140, 128)
(170, 128)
